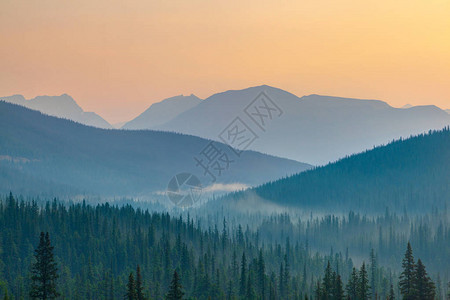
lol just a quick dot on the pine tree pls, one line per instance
(327, 284)
(250, 293)
(363, 284)
(175, 289)
(352, 285)
(338, 290)
(139, 284)
(44, 271)
(373, 272)
(131, 288)
(243, 282)
(408, 275)
(286, 276)
(281, 286)
(261, 275)
(423, 286)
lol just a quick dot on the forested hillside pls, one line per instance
(43, 155)
(411, 173)
(96, 249)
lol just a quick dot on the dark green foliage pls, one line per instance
(423, 286)
(414, 172)
(414, 281)
(243, 281)
(352, 285)
(96, 247)
(373, 274)
(408, 275)
(139, 285)
(327, 283)
(44, 271)
(363, 289)
(338, 290)
(175, 289)
(131, 288)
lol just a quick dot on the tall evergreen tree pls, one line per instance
(352, 285)
(363, 284)
(424, 288)
(408, 275)
(139, 285)
(261, 275)
(373, 273)
(44, 272)
(131, 288)
(175, 289)
(338, 290)
(327, 283)
(243, 282)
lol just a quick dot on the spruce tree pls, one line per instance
(131, 288)
(408, 275)
(44, 271)
(175, 289)
(243, 282)
(352, 285)
(338, 290)
(261, 275)
(327, 283)
(139, 285)
(250, 293)
(363, 284)
(424, 288)
(373, 272)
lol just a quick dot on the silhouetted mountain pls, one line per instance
(314, 129)
(412, 173)
(60, 106)
(162, 112)
(40, 154)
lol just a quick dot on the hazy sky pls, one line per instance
(117, 57)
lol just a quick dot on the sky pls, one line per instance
(118, 57)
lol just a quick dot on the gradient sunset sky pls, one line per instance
(118, 57)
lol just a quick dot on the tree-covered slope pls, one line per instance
(413, 173)
(43, 155)
(97, 247)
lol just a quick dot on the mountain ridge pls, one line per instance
(412, 173)
(315, 129)
(162, 112)
(69, 158)
(63, 106)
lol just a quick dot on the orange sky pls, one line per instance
(117, 57)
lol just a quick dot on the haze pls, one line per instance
(117, 57)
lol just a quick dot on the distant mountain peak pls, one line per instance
(314, 128)
(161, 112)
(63, 106)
